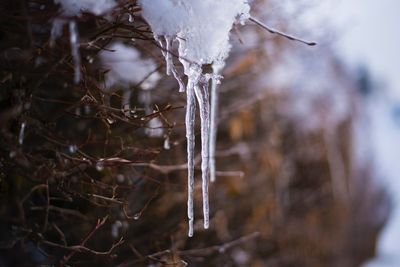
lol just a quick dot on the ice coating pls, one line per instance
(201, 29)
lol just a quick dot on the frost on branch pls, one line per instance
(201, 30)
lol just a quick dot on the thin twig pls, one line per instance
(137, 215)
(274, 31)
(46, 218)
(82, 247)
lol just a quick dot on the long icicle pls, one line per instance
(217, 67)
(190, 120)
(201, 90)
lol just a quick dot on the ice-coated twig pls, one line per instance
(217, 67)
(189, 120)
(76, 58)
(274, 31)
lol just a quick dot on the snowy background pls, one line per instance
(368, 34)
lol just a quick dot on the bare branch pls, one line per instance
(274, 31)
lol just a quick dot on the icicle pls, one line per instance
(72, 149)
(178, 79)
(21, 133)
(168, 59)
(115, 229)
(201, 91)
(125, 102)
(182, 52)
(167, 145)
(217, 67)
(73, 37)
(56, 30)
(185, 63)
(170, 63)
(165, 51)
(189, 121)
(159, 41)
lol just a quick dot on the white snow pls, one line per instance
(203, 25)
(384, 141)
(155, 128)
(127, 67)
(75, 7)
(201, 29)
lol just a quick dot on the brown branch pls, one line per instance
(197, 252)
(138, 214)
(81, 247)
(46, 218)
(61, 210)
(33, 189)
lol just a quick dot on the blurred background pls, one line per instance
(93, 173)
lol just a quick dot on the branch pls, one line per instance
(81, 248)
(274, 31)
